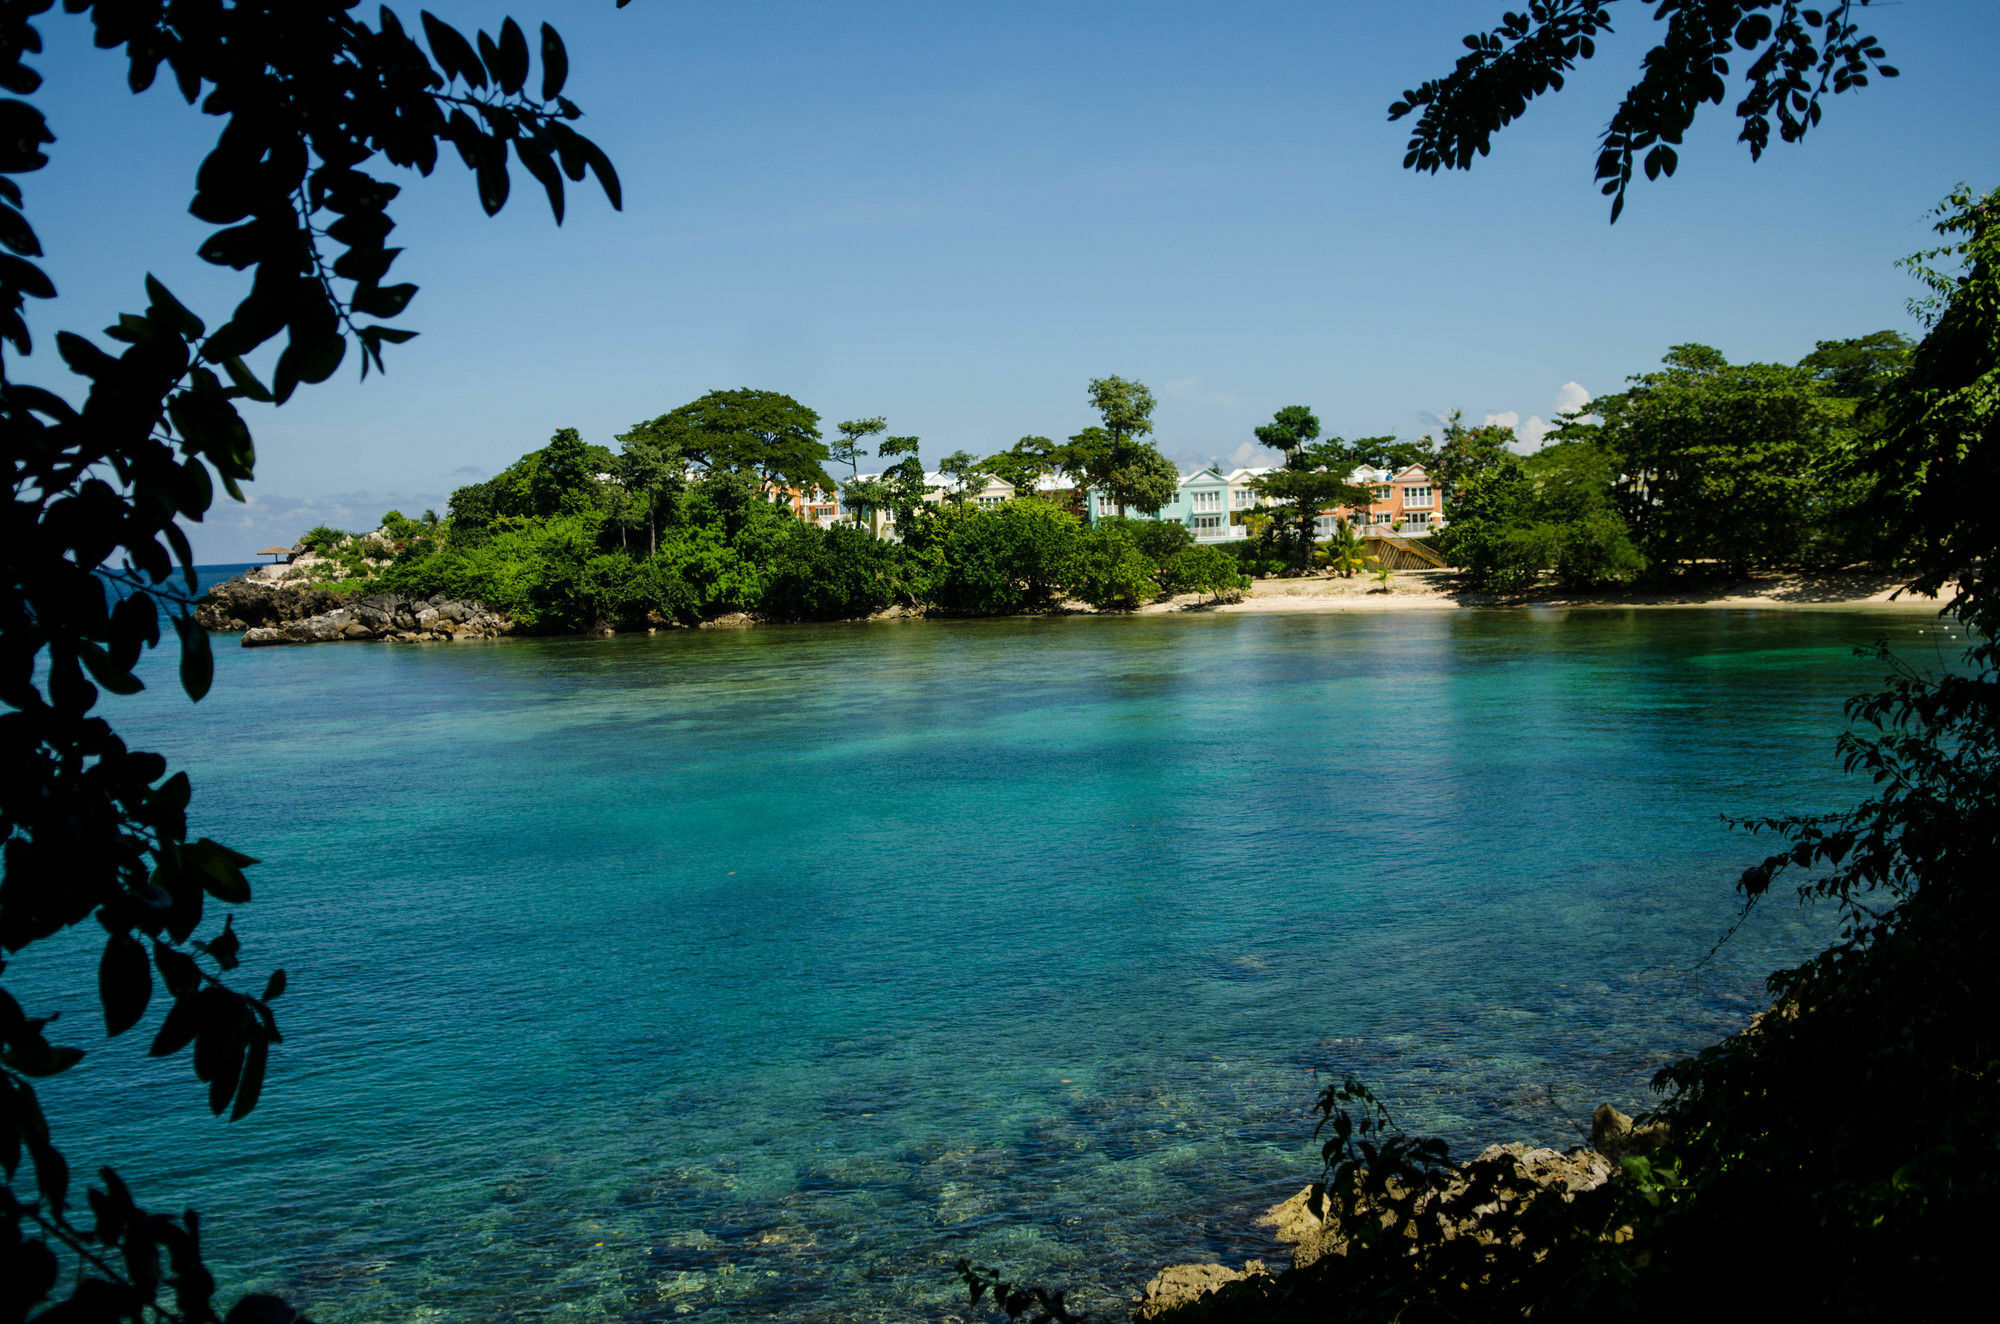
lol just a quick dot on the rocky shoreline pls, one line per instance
(1309, 1227)
(293, 614)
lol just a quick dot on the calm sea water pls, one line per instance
(761, 974)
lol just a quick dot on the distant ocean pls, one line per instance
(760, 974)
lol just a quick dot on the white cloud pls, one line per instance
(1248, 456)
(1531, 434)
(1528, 435)
(1194, 388)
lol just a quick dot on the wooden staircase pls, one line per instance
(1399, 553)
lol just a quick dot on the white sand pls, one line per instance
(1433, 590)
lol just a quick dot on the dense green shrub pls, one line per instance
(1597, 551)
(1254, 557)
(1112, 574)
(830, 574)
(1203, 569)
(322, 539)
(1017, 557)
(560, 550)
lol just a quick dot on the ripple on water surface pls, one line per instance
(761, 974)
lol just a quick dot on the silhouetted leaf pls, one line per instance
(124, 982)
(555, 64)
(452, 51)
(197, 661)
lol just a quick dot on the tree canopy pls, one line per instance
(747, 431)
(1024, 464)
(315, 106)
(1793, 58)
(1314, 478)
(848, 450)
(1114, 456)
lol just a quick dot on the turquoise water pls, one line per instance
(761, 974)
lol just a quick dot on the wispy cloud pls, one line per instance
(467, 471)
(1194, 388)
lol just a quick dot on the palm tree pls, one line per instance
(1344, 555)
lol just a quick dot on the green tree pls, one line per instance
(1513, 519)
(1344, 557)
(1114, 457)
(1015, 557)
(562, 480)
(1314, 478)
(1723, 463)
(1393, 455)
(1859, 369)
(1463, 451)
(905, 489)
(849, 451)
(830, 574)
(1794, 56)
(1112, 572)
(963, 468)
(1023, 465)
(1203, 569)
(1290, 428)
(748, 431)
(650, 466)
(1935, 462)
(314, 102)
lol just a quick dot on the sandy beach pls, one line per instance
(1436, 590)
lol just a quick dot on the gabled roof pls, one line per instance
(1208, 473)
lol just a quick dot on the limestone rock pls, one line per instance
(1178, 1284)
(1613, 1135)
(1299, 1220)
(289, 614)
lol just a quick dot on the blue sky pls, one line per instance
(955, 216)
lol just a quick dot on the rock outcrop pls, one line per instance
(288, 614)
(1179, 1284)
(1497, 1181)
(1613, 1135)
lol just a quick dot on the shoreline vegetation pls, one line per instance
(267, 614)
(1705, 483)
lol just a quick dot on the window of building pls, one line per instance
(1207, 499)
(1243, 498)
(1381, 517)
(1417, 517)
(1416, 496)
(1382, 492)
(991, 501)
(1207, 522)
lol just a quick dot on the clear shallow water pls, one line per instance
(761, 974)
